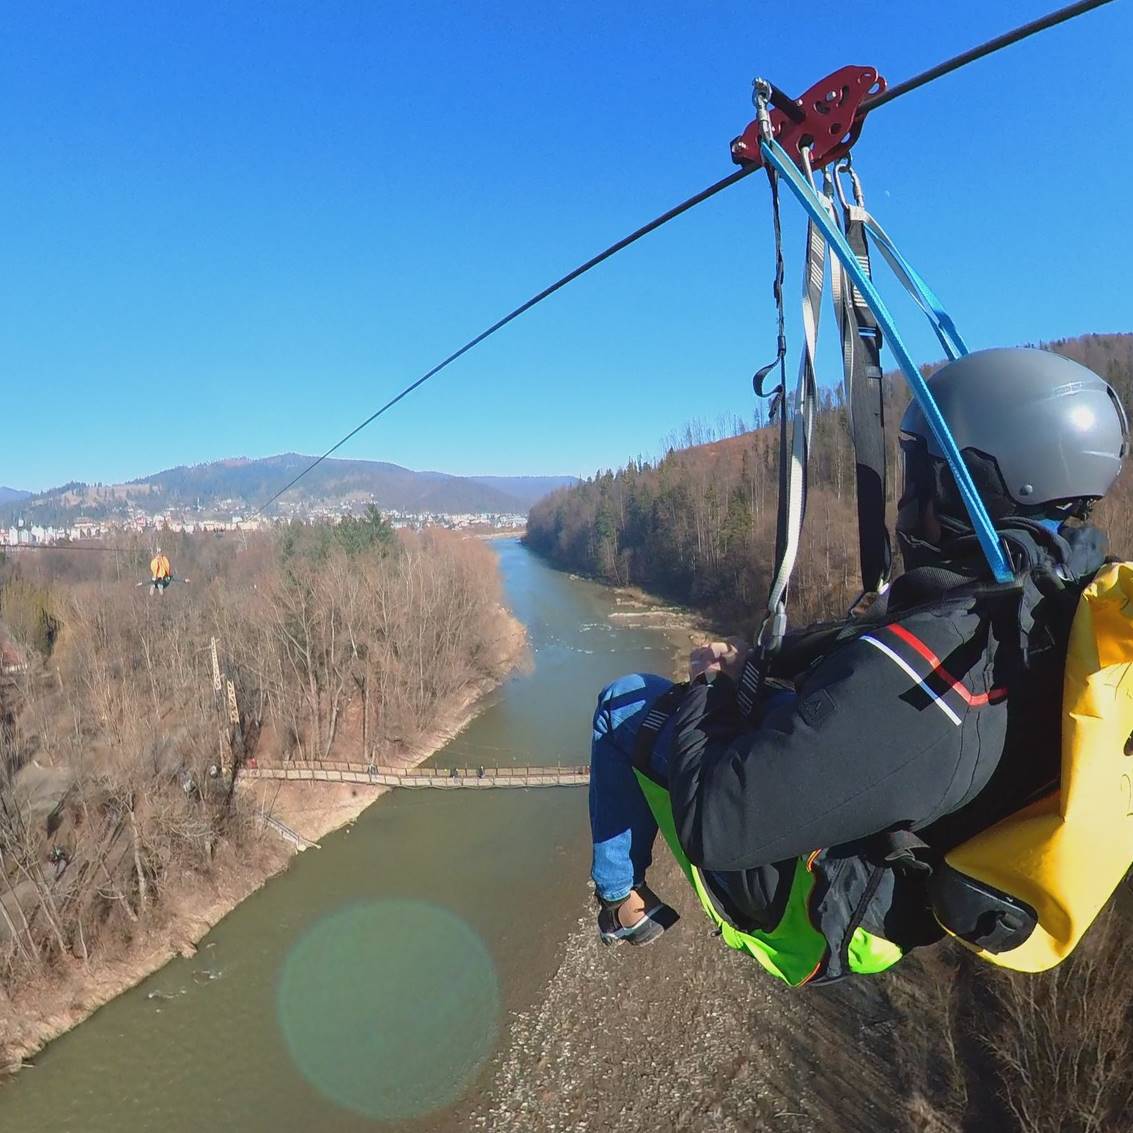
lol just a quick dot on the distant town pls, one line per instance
(226, 516)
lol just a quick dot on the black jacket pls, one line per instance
(946, 705)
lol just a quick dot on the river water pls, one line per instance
(369, 986)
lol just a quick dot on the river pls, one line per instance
(370, 984)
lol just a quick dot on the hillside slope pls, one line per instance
(698, 526)
(241, 485)
(529, 489)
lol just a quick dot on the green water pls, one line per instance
(369, 985)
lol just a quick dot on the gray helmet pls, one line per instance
(1035, 429)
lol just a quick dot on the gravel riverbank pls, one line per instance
(687, 1035)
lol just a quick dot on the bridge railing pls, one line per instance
(329, 769)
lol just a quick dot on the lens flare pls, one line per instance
(389, 1008)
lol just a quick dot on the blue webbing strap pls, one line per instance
(981, 522)
(924, 295)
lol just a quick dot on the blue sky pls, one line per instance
(238, 228)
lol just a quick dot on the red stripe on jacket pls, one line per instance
(975, 700)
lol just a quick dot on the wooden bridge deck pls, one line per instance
(440, 777)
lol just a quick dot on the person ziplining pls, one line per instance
(812, 796)
(950, 757)
(161, 574)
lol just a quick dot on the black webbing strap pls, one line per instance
(903, 851)
(794, 444)
(777, 394)
(655, 719)
(791, 510)
(861, 360)
(750, 682)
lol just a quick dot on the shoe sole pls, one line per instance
(651, 927)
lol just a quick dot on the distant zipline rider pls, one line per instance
(161, 574)
(840, 795)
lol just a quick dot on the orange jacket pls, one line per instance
(159, 567)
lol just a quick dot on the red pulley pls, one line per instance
(828, 118)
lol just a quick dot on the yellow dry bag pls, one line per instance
(1022, 892)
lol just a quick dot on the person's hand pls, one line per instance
(719, 656)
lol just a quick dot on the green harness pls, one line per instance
(819, 937)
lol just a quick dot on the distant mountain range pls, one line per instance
(243, 485)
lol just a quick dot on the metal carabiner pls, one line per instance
(846, 165)
(808, 171)
(761, 99)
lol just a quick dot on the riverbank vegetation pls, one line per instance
(698, 525)
(980, 1048)
(122, 738)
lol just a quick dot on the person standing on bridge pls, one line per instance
(867, 736)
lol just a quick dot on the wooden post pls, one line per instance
(365, 717)
(223, 732)
(235, 732)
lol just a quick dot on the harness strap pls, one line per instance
(792, 501)
(861, 365)
(751, 681)
(655, 719)
(777, 395)
(925, 297)
(815, 208)
(903, 851)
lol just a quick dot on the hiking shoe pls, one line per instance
(657, 918)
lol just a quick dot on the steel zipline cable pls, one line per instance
(6, 547)
(625, 242)
(988, 48)
(933, 73)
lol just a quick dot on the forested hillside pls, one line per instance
(241, 484)
(698, 526)
(118, 806)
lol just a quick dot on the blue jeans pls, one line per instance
(621, 822)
